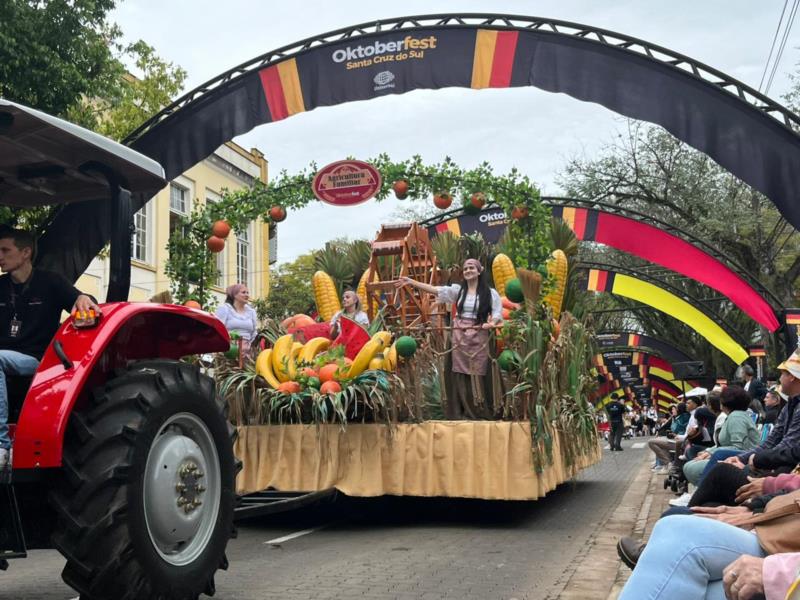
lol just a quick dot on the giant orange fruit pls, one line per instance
(330, 387)
(215, 244)
(442, 200)
(277, 213)
(328, 372)
(519, 212)
(221, 229)
(192, 304)
(289, 387)
(400, 188)
(478, 200)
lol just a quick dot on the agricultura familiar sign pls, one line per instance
(346, 183)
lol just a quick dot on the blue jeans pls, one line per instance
(684, 558)
(11, 363)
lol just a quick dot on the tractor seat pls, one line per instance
(17, 387)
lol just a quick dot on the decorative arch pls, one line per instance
(656, 296)
(640, 341)
(744, 131)
(639, 235)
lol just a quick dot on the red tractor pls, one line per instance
(122, 453)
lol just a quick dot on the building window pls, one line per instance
(243, 256)
(178, 205)
(139, 238)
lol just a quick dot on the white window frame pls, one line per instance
(247, 269)
(188, 185)
(147, 228)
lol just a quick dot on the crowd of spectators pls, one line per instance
(737, 534)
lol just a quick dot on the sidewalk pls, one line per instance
(599, 574)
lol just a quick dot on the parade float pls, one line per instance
(370, 412)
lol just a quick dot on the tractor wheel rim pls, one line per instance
(182, 489)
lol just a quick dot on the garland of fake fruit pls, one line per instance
(210, 225)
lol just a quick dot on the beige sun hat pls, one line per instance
(791, 364)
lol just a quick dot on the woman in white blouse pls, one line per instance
(351, 308)
(478, 309)
(237, 314)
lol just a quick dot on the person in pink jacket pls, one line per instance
(776, 577)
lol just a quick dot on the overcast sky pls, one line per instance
(535, 131)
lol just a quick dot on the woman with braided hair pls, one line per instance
(478, 309)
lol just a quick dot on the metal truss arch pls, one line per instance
(732, 87)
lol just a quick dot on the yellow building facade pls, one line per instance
(247, 255)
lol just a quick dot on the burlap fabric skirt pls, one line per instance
(470, 348)
(470, 364)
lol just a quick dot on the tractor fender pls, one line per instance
(125, 332)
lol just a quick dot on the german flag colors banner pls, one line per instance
(662, 248)
(668, 303)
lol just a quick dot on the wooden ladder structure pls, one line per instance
(403, 250)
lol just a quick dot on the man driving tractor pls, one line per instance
(31, 301)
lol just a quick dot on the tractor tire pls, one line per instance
(147, 500)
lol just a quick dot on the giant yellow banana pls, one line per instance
(281, 353)
(264, 367)
(365, 355)
(291, 367)
(390, 359)
(313, 347)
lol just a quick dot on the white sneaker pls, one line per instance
(682, 500)
(3, 458)
(662, 470)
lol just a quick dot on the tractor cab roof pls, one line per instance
(45, 160)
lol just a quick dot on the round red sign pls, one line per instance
(346, 183)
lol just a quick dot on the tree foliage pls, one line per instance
(645, 169)
(65, 57)
(290, 290)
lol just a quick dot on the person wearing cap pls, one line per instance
(616, 415)
(478, 309)
(783, 442)
(774, 402)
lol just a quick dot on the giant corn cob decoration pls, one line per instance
(325, 295)
(557, 269)
(502, 272)
(361, 290)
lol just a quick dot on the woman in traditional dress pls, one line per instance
(478, 309)
(351, 308)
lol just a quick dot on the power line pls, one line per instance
(786, 31)
(772, 47)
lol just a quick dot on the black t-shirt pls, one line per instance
(615, 411)
(37, 305)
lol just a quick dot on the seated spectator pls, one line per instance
(736, 433)
(774, 402)
(237, 315)
(781, 449)
(662, 446)
(718, 560)
(701, 424)
(351, 308)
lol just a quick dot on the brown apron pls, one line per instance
(470, 348)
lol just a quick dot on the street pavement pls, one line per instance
(403, 548)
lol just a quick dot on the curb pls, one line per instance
(599, 574)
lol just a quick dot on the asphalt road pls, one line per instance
(401, 548)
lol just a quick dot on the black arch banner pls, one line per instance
(749, 143)
(735, 127)
(613, 339)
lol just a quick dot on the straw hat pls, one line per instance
(791, 364)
